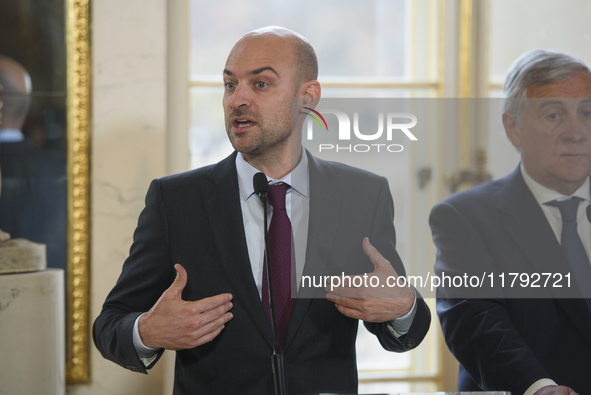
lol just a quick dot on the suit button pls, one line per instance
(133, 368)
(411, 343)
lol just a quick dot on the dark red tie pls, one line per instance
(280, 254)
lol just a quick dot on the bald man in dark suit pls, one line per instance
(209, 221)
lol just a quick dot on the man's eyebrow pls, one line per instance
(253, 72)
(550, 103)
(561, 102)
(259, 71)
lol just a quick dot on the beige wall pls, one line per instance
(128, 150)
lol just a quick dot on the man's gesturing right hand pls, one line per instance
(175, 324)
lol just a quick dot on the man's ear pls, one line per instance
(512, 129)
(311, 92)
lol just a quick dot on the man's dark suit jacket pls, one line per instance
(508, 344)
(195, 219)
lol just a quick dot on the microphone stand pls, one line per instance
(277, 360)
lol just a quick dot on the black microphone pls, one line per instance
(261, 188)
(260, 184)
(589, 213)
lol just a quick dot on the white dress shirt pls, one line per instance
(11, 136)
(297, 204)
(544, 195)
(552, 213)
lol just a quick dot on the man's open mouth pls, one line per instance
(243, 123)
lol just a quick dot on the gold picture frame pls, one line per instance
(78, 66)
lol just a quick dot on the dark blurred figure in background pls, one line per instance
(33, 194)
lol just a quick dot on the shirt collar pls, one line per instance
(11, 136)
(544, 194)
(297, 179)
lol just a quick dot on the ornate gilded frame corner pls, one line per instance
(78, 121)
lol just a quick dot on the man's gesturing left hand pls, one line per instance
(373, 304)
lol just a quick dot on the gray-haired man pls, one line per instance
(519, 223)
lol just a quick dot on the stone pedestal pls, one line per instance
(32, 333)
(20, 255)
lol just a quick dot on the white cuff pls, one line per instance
(146, 354)
(541, 383)
(400, 326)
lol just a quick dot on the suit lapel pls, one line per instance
(543, 250)
(225, 218)
(322, 228)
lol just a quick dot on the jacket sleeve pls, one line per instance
(146, 274)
